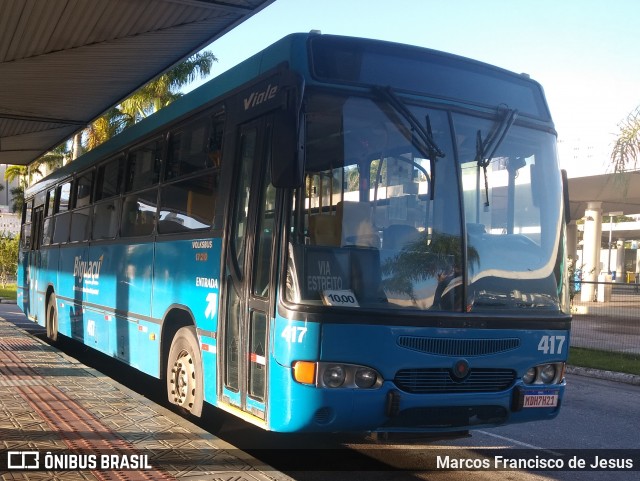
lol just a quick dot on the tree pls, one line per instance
(12, 173)
(148, 99)
(25, 175)
(433, 255)
(8, 258)
(626, 149)
(102, 129)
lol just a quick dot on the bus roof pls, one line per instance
(323, 59)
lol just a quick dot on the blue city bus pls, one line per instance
(338, 234)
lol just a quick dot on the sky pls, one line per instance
(585, 53)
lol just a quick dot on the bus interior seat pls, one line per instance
(145, 222)
(397, 236)
(324, 230)
(357, 226)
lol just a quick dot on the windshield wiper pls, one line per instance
(424, 132)
(485, 150)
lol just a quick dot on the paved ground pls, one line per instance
(73, 420)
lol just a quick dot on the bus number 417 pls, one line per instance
(551, 344)
(294, 334)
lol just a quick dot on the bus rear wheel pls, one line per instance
(184, 372)
(51, 319)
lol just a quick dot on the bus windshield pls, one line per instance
(379, 222)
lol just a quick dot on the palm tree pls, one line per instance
(626, 149)
(424, 258)
(102, 129)
(12, 173)
(25, 174)
(148, 99)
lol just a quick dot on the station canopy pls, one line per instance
(63, 63)
(619, 194)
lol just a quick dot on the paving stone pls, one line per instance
(49, 402)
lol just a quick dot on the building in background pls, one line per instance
(581, 156)
(9, 222)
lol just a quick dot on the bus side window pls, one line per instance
(109, 178)
(105, 219)
(25, 237)
(188, 204)
(143, 166)
(47, 229)
(81, 216)
(106, 210)
(194, 147)
(25, 232)
(139, 213)
(62, 219)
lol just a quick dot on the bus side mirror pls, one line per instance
(287, 167)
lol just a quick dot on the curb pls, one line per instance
(606, 375)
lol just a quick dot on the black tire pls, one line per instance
(51, 319)
(184, 372)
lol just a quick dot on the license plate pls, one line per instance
(541, 399)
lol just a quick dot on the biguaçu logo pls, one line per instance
(87, 269)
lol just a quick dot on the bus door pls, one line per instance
(248, 274)
(35, 261)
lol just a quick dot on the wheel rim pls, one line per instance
(183, 380)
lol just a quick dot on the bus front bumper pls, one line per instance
(388, 409)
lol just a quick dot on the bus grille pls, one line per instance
(435, 381)
(458, 347)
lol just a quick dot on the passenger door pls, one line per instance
(35, 262)
(248, 274)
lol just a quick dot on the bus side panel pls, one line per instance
(187, 276)
(117, 287)
(73, 279)
(210, 368)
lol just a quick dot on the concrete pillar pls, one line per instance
(591, 250)
(621, 275)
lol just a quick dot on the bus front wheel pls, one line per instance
(52, 319)
(184, 372)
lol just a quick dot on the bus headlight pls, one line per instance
(548, 373)
(345, 376)
(551, 373)
(365, 377)
(529, 376)
(333, 376)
